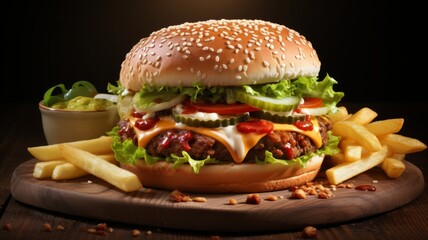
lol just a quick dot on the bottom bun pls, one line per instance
(225, 178)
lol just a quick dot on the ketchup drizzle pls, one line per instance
(366, 187)
(305, 125)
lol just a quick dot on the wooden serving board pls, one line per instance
(102, 201)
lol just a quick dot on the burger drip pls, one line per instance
(182, 137)
(305, 125)
(145, 124)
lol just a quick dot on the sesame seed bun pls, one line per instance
(219, 53)
(225, 178)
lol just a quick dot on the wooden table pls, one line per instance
(21, 127)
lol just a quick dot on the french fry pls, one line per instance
(402, 144)
(357, 132)
(101, 145)
(384, 127)
(45, 169)
(341, 114)
(118, 177)
(69, 171)
(347, 170)
(399, 156)
(351, 150)
(393, 167)
(363, 116)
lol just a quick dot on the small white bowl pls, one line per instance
(61, 126)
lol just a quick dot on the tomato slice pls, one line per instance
(235, 108)
(256, 126)
(311, 102)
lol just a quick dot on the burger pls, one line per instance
(223, 106)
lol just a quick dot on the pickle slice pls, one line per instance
(267, 103)
(221, 121)
(276, 118)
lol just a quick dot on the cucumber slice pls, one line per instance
(276, 118)
(222, 121)
(156, 102)
(267, 103)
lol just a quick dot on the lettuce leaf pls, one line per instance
(300, 87)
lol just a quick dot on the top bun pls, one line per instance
(219, 53)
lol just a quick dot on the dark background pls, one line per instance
(364, 45)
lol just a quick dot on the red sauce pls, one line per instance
(145, 124)
(305, 125)
(256, 126)
(183, 138)
(366, 188)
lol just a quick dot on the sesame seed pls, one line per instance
(247, 60)
(252, 55)
(230, 46)
(238, 77)
(201, 59)
(219, 50)
(265, 64)
(217, 58)
(232, 60)
(179, 69)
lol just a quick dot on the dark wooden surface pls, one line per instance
(21, 127)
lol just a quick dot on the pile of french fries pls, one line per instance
(81, 158)
(366, 144)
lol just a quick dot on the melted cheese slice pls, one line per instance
(236, 142)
